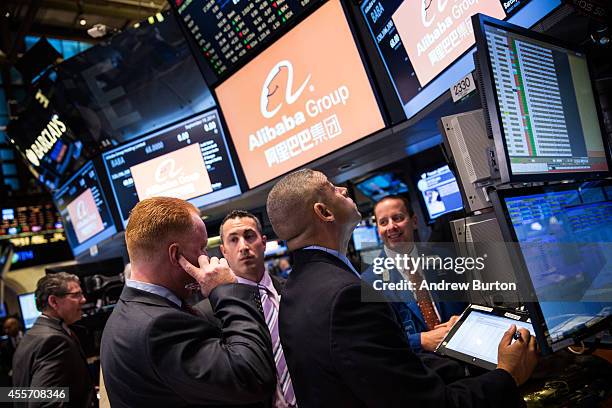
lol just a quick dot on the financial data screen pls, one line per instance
(546, 105)
(480, 334)
(85, 210)
(440, 191)
(189, 160)
(226, 32)
(565, 238)
(422, 43)
(20, 221)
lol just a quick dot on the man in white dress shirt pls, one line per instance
(243, 246)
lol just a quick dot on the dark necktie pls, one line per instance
(424, 301)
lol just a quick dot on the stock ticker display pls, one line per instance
(31, 225)
(226, 31)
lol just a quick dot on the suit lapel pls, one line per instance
(278, 283)
(56, 326)
(396, 276)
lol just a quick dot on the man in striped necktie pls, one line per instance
(243, 246)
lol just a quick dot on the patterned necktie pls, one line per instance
(424, 301)
(282, 372)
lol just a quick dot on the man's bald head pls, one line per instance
(290, 203)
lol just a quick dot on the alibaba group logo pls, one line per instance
(167, 170)
(426, 10)
(270, 93)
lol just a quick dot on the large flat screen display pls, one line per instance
(85, 210)
(189, 160)
(137, 81)
(228, 32)
(564, 233)
(541, 105)
(305, 96)
(423, 43)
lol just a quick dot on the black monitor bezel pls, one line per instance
(235, 163)
(520, 266)
(96, 164)
(491, 103)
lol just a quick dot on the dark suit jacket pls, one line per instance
(157, 355)
(7, 350)
(204, 307)
(342, 352)
(47, 356)
(408, 310)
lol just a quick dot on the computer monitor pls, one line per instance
(305, 96)
(228, 33)
(439, 191)
(540, 102)
(29, 312)
(85, 210)
(380, 185)
(563, 258)
(365, 237)
(132, 83)
(188, 160)
(427, 46)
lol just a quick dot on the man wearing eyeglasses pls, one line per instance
(50, 354)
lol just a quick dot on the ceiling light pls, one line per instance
(82, 21)
(8, 14)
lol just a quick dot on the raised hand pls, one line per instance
(210, 273)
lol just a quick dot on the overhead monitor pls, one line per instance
(188, 160)
(541, 105)
(85, 210)
(439, 191)
(132, 83)
(29, 312)
(48, 146)
(426, 46)
(381, 185)
(294, 104)
(564, 236)
(227, 33)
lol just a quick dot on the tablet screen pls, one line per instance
(480, 333)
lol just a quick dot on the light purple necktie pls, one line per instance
(282, 372)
